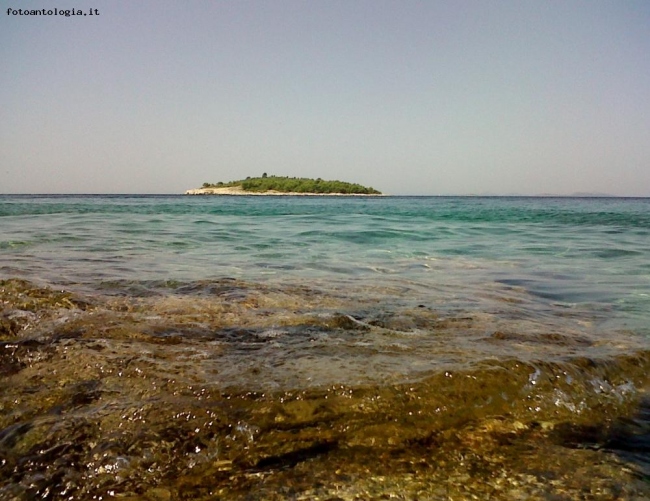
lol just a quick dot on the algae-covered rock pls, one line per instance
(247, 392)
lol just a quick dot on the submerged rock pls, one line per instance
(232, 391)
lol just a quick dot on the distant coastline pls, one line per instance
(281, 186)
(580, 194)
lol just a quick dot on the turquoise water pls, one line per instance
(178, 347)
(560, 252)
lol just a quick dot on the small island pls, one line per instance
(278, 185)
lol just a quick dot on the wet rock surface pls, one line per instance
(228, 390)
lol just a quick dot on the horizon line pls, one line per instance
(469, 195)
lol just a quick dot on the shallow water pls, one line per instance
(327, 348)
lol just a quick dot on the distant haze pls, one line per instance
(409, 97)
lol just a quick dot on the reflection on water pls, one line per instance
(236, 390)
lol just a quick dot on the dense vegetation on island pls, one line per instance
(295, 185)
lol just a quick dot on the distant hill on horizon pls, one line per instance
(580, 194)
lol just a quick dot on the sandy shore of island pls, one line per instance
(236, 190)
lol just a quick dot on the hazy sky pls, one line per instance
(410, 97)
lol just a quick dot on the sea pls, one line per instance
(324, 347)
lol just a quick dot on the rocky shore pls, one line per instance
(230, 390)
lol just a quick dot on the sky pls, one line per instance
(454, 97)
